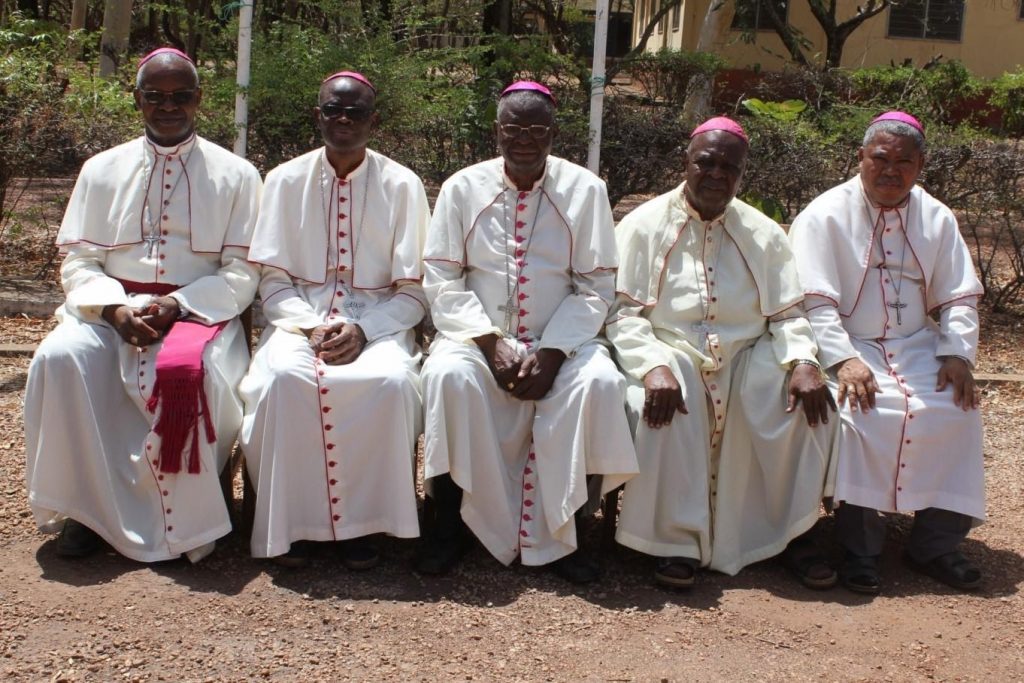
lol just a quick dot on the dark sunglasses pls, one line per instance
(335, 111)
(514, 130)
(178, 97)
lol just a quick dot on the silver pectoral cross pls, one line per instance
(353, 308)
(703, 328)
(899, 306)
(151, 242)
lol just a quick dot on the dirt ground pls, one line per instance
(233, 618)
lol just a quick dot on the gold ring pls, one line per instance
(511, 385)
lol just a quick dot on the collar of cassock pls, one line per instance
(179, 149)
(878, 207)
(352, 175)
(693, 213)
(510, 184)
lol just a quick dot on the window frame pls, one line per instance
(924, 24)
(755, 27)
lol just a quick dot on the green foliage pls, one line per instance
(1008, 95)
(667, 75)
(926, 92)
(788, 110)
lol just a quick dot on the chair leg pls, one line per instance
(248, 499)
(227, 483)
(611, 513)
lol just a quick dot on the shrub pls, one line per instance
(667, 75)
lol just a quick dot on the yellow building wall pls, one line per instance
(992, 41)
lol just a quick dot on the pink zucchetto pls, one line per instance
(901, 117)
(721, 123)
(529, 85)
(355, 76)
(165, 51)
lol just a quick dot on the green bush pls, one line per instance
(1008, 96)
(929, 93)
(667, 75)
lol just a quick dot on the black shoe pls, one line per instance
(860, 574)
(296, 557)
(359, 554)
(575, 568)
(439, 555)
(77, 540)
(446, 537)
(952, 569)
(676, 572)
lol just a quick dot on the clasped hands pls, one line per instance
(527, 378)
(143, 325)
(337, 343)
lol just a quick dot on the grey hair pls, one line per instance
(524, 97)
(897, 128)
(164, 59)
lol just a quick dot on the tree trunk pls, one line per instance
(78, 8)
(716, 22)
(117, 22)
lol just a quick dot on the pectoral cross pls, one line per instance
(353, 308)
(509, 311)
(703, 328)
(899, 306)
(151, 241)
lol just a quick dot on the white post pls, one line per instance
(597, 84)
(242, 76)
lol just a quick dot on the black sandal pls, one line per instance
(952, 569)
(802, 558)
(676, 572)
(860, 574)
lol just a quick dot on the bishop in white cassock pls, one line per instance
(126, 432)
(891, 294)
(332, 400)
(708, 326)
(522, 401)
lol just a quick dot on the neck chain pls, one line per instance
(897, 284)
(511, 279)
(704, 327)
(328, 213)
(152, 238)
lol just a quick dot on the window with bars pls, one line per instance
(933, 19)
(751, 15)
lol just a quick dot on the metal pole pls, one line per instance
(242, 76)
(597, 84)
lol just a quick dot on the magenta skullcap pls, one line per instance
(721, 123)
(165, 51)
(901, 117)
(529, 85)
(354, 76)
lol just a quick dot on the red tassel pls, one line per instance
(179, 396)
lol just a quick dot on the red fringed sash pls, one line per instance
(178, 390)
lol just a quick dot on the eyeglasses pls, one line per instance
(332, 110)
(514, 130)
(179, 97)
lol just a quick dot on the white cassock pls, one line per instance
(91, 453)
(874, 278)
(332, 448)
(538, 268)
(718, 302)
